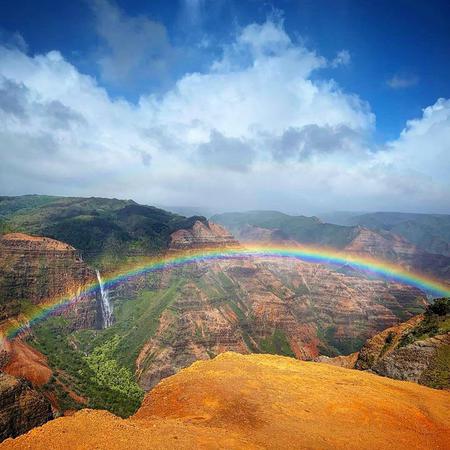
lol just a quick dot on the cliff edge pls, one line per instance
(262, 401)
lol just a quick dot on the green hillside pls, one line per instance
(300, 228)
(101, 228)
(431, 232)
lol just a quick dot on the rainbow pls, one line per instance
(171, 260)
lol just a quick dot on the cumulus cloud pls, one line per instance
(261, 128)
(313, 140)
(402, 81)
(131, 46)
(13, 40)
(227, 153)
(343, 58)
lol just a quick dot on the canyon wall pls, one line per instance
(34, 270)
(21, 407)
(202, 235)
(270, 306)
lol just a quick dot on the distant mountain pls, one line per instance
(96, 226)
(430, 232)
(299, 228)
(340, 217)
(190, 210)
(374, 241)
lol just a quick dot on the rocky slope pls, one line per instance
(21, 407)
(200, 235)
(34, 270)
(269, 306)
(417, 350)
(430, 232)
(262, 401)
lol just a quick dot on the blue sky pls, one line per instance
(362, 70)
(409, 40)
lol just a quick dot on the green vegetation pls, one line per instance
(430, 232)
(436, 321)
(109, 374)
(300, 228)
(105, 230)
(106, 385)
(277, 344)
(136, 320)
(438, 374)
(326, 336)
(335, 346)
(99, 365)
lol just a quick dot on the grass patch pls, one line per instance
(436, 321)
(438, 374)
(277, 344)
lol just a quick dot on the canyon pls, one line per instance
(268, 306)
(153, 325)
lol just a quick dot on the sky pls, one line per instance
(299, 106)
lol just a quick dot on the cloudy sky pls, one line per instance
(292, 105)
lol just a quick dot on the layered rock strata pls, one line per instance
(36, 270)
(21, 407)
(269, 306)
(202, 235)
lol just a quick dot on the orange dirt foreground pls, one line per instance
(262, 401)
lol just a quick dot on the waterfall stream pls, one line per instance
(105, 303)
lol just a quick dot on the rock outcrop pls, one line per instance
(381, 244)
(262, 402)
(417, 350)
(21, 407)
(201, 235)
(34, 270)
(20, 360)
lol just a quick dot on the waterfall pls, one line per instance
(105, 303)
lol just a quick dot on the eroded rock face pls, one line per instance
(380, 244)
(265, 305)
(202, 235)
(21, 407)
(37, 269)
(426, 360)
(413, 361)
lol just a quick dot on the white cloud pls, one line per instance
(402, 81)
(343, 58)
(133, 47)
(259, 129)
